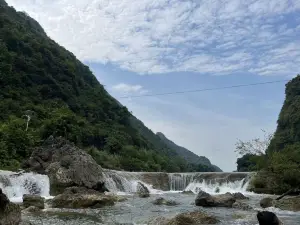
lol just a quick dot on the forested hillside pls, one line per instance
(279, 166)
(45, 90)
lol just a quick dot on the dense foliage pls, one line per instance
(45, 90)
(279, 163)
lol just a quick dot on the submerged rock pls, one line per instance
(268, 218)
(76, 201)
(266, 202)
(206, 200)
(191, 218)
(162, 201)
(241, 205)
(33, 200)
(10, 213)
(187, 192)
(66, 165)
(142, 190)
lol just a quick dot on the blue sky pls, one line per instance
(139, 47)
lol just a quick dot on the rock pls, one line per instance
(66, 165)
(76, 201)
(162, 201)
(80, 190)
(33, 200)
(187, 192)
(142, 190)
(206, 200)
(217, 190)
(288, 203)
(266, 202)
(10, 213)
(267, 218)
(31, 209)
(190, 218)
(241, 205)
(239, 196)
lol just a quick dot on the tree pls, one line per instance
(256, 146)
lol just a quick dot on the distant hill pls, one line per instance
(187, 154)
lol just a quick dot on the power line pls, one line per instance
(206, 89)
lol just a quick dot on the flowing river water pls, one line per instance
(140, 210)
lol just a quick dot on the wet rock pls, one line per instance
(66, 165)
(142, 190)
(267, 218)
(31, 209)
(162, 201)
(33, 200)
(191, 218)
(206, 200)
(187, 192)
(241, 205)
(80, 190)
(266, 202)
(76, 201)
(239, 196)
(288, 203)
(217, 190)
(10, 213)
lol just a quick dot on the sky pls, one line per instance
(146, 47)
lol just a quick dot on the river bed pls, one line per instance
(140, 210)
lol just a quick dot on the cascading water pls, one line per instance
(119, 181)
(15, 185)
(210, 182)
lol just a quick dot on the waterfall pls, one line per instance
(15, 185)
(126, 182)
(210, 182)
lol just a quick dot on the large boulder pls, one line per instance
(10, 213)
(77, 201)
(190, 218)
(33, 200)
(66, 165)
(142, 190)
(206, 200)
(267, 218)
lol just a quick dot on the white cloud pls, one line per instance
(129, 89)
(147, 36)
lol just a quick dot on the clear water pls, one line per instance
(139, 211)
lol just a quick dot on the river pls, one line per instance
(140, 210)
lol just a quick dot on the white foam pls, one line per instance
(15, 185)
(211, 187)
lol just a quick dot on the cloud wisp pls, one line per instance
(216, 37)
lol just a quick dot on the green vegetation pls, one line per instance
(46, 91)
(278, 161)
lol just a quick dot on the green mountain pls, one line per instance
(45, 90)
(188, 155)
(288, 123)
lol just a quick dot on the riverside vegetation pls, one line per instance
(45, 90)
(277, 156)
